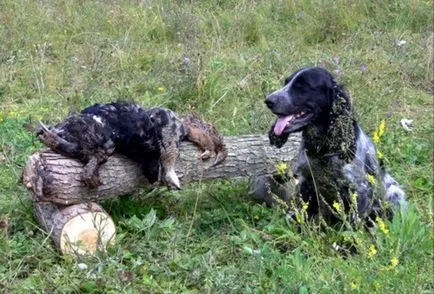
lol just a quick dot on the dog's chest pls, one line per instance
(325, 174)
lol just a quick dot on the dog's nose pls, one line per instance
(270, 101)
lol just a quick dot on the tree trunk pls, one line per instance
(76, 229)
(57, 179)
(63, 203)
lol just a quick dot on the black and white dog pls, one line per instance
(337, 162)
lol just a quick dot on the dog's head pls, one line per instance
(306, 97)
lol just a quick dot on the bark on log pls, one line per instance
(57, 179)
(76, 229)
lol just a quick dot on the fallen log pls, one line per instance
(65, 207)
(57, 179)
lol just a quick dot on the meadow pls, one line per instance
(221, 57)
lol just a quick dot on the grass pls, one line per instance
(221, 57)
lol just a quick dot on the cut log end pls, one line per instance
(77, 229)
(87, 233)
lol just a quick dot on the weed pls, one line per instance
(221, 57)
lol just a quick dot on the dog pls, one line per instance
(336, 162)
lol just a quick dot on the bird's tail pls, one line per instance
(56, 143)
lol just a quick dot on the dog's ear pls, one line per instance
(276, 140)
(341, 136)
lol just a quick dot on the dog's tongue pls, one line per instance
(281, 123)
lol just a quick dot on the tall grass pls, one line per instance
(221, 57)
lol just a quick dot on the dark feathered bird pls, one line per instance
(95, 133)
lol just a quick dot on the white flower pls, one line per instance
(400, 43)
(406, 124)
(82, 266)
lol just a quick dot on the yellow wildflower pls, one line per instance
(354, 197)
(337, 206)
(305, 207)
(379, 154)
(299, 218)
(381, 128)
(372, 251)
(371, 179)
(281, 168)
(394, 261)
(161, 89)
(353, 286)
(379, 131)
(382, 226)
(376, 138)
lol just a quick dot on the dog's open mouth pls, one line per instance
(291, 122)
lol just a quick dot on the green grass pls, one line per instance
(221, 57)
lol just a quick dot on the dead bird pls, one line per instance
(206, 137)
(150, 137)
(170, 131)
(99, 130)
(82, 137)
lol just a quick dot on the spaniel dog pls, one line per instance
(337, 168)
